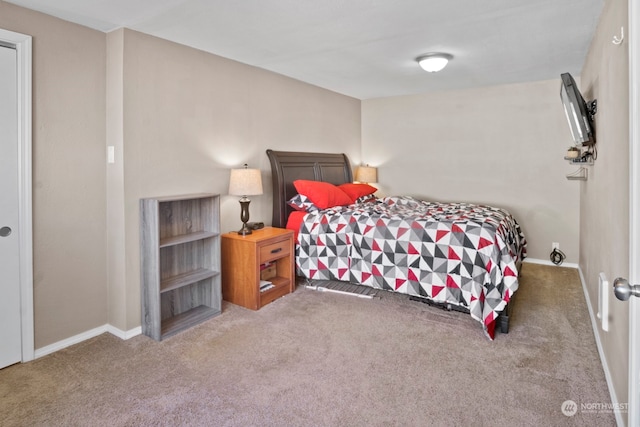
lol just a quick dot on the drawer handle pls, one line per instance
(275, 251)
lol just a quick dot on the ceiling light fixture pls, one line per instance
(433, 62)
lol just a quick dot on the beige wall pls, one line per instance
(190, 116)
(179, 119)
(604, 205)
(501, 145)
(68, 173)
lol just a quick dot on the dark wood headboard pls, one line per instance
(287, 166)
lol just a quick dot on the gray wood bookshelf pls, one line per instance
(180, 262)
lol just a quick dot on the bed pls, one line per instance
(459, 256)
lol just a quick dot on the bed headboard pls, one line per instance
(287, 166)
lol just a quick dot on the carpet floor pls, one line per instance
(324, 359)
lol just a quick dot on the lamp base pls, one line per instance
(244, 216)
(245, 230)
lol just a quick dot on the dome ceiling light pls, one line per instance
(433, 62)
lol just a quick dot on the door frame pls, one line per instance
(22, 44)
(634, 212)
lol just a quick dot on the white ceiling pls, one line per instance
(364, 48)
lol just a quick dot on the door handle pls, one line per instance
(624, 290)
(5, 231)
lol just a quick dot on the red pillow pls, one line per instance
(356, 191)
(323, 194)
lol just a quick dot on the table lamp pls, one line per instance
(245, 182)
(367, 174)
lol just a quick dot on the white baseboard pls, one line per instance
(548, 262)
(124, 335)
(607, 373)
(76, 339)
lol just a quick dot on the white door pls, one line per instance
(10, 320)
(634, 214)
(623, 289)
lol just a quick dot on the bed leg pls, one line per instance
(503, 320)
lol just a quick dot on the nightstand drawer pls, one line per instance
(274, 251)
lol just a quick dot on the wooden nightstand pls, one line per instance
(242, 257)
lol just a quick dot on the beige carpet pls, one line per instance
(321, 359)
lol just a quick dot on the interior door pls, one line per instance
(10, 320)
(634, 214)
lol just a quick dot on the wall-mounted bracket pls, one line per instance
(579, 175)
(584, 160)
(592, 108)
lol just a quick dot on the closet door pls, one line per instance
(10, 321)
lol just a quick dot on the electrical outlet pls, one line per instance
(603, 301)
(111, 154)
(555, 245)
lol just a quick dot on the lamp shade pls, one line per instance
(245, 182)
(433, 62)
(367, 174)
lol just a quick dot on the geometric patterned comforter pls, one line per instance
(455, 253)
